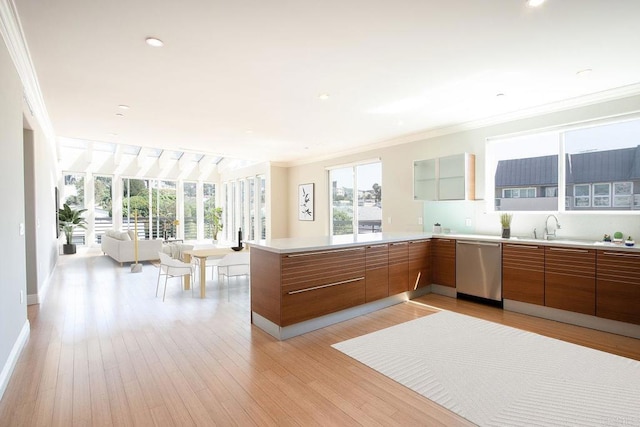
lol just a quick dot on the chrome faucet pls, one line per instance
(547, 233)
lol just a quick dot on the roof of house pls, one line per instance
(597, 166)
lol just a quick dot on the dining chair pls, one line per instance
(234, 264)
(170, 267)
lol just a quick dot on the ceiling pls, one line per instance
(243, 78)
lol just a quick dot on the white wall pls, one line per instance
(14, 326)
(397, 182)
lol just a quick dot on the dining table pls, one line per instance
(202, 255)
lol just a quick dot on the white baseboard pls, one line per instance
(42, 291)
(8, 367)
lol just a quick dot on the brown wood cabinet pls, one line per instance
(419, 264)
(443, 265)
(523, 273)
(618, 286)
(322, 282)
(377, 272)
(398, 267)
(570, 279)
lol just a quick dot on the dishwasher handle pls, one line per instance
(473, 243)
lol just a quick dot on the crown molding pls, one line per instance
(11, 31)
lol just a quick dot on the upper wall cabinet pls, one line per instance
(445, 178)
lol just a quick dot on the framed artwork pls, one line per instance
(305, 202)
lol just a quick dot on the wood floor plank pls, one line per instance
(104, 351)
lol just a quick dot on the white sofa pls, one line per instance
(119, 246)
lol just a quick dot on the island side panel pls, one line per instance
(265, 284)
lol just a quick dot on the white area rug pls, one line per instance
(495, 375)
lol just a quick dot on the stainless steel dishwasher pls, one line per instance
(479, 269)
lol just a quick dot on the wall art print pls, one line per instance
(305, 202)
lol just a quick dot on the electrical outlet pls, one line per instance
(21, 229)
(21, 296)
(389, 220)
(467, 222)
(419, 220)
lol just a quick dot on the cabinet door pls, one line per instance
(618, 286)
(443, 267)
(456, 177)
(523, 273)
(398, 268)
(570, 279)
(419, 264)
(424, 180)
(377, 272)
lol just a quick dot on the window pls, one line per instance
(582, 195)
(73, 195)
(356, 199)
(601, 195)
(103, 210)
(190, 206)
(209, 201)
(135, 199)
(622, 194)
(516, 193)
(520, 166)
(598, 171)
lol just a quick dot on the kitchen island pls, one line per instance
(302, 284)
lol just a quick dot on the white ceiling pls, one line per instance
(242, 78)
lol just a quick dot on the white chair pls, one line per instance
(211, 262)
(234, 264)
(170, 267)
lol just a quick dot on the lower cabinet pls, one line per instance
(419, 264)
(377, 272)
(443, 265)
(523, 273)
(570, 279)
(322, 282)
(398, 267)
(618, 286)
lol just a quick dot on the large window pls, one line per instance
(135, 201)
(209, 201)
(600, 170)
(73, 195)
(356, 199)
(102, 190)
(190, 210)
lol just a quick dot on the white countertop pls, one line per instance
(298, 244)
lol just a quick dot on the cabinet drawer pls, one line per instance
(523, 273)
(311, 269)
(398, 268)
(618, 286)
(570, 279)
(309, 303)
(377, 272)
(419, 264)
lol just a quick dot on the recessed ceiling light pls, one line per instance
(323, 96)
(123, 107)
(113, 134)
(500, 94)
(248, 131)
(534, 3)
(154, 42)
(584, 73)
(400, 123)
(119, 114)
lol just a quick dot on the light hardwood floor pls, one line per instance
(105, 351)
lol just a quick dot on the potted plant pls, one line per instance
(68, 220)
(505, 221)
(214, 217)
